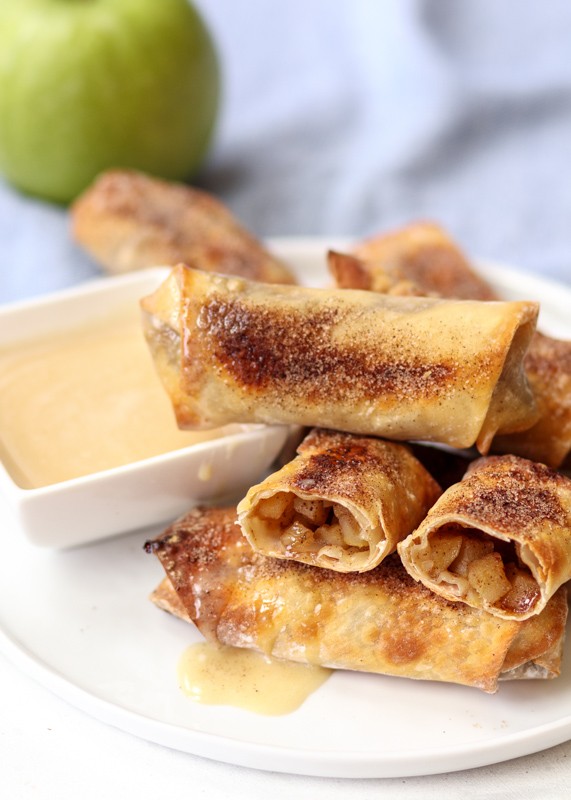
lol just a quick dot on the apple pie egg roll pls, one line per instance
(548, 368)
(343, 503)
(232, 350)
(380, 621)
(421, 261)
(128, 220)
(418, 259)
(499, 540)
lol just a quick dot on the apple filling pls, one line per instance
(482, 567)
(313, 527)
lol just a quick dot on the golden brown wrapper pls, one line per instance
(419, 255)
(378, 621)
(544, 634)
(231, 350)
(343, 503)
(422, 261)
(548, 368)
(127, 220)
(499, 540)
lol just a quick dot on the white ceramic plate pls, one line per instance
(78, 621)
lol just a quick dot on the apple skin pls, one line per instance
(86, 85)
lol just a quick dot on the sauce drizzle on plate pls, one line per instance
(234, 676)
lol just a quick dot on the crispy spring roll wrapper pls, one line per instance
(499, 540)
(343, 503)
(231, 350)
(127, 220)
(378, 621)
(422, 255)
(542, 634)
(405, 263)
(548, 368)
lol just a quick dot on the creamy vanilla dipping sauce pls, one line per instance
(234, 676)
(84, 401)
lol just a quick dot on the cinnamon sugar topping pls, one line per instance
(296, 352)
(517, 494)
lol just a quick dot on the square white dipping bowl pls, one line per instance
(143, 493)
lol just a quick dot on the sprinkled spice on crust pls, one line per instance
(297, 351)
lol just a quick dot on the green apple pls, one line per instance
(90, 84)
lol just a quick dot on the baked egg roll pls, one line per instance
(548, 368)
(500, 540)
(420, 254)
(232, 350)
(128, 220)
(380, 621)
(422, 261)
(343, 503)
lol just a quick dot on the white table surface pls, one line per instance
(51, 750)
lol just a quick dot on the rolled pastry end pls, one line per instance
(297, 525)
(343, 503)
(499, 540)
(512, 407)
(463, 563)
(162, 328)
